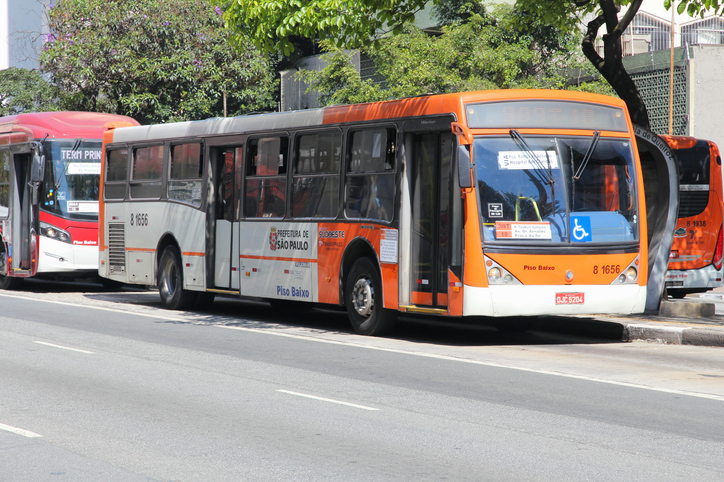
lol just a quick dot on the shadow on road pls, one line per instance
(544, 330)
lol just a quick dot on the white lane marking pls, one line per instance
(101, 308)
(708, 396)
(327, 400)
(19, 431)
(64, 347)
(402, 352)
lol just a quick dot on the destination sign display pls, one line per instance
(545, 114)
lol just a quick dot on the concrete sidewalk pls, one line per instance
(697, 319)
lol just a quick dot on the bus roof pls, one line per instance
(408, 107)
(61, 125)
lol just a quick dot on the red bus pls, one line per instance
(50, 165)
(500, 203)
(695, 262)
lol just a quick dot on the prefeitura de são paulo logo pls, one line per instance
(273, 238)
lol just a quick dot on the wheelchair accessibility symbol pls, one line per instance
(581, 229)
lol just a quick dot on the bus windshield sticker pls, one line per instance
(495, 210)
(581, 229)
(76, 168)
(515, 160)
(693, 187)
(388, 245)
(83, 207)
(522, 230)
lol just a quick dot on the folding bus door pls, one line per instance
(430, 165)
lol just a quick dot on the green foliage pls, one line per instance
(271, 24)
(154, 60)
(450, 11)
(697, 7)
(23, 90)
(482, 53)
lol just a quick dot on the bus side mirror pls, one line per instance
(37, 170)
(465, 168)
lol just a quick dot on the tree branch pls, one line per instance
(588, 45)
(633, 9)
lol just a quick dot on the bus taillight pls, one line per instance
(718, 253)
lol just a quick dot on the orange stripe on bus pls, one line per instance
(141, 249)
(192, 253)
(273, 258)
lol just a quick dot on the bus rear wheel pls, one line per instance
(365, 301)
(171, 282)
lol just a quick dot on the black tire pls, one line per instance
(365, 301)
(7, 282)
(171, 282)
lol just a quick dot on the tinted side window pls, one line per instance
(185, 175)
(266, 183)
(116, 174)
(315, 192)
(147, 172)
(370, 184)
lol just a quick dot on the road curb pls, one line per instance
(673, 335)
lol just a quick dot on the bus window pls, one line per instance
(4, 183)
(693, 179)
(147, 169)
(266, 182)
(186, 171)
(116, 174)
(370, 187)
(316, 175)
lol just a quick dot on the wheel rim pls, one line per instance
(363, 297)
(169, 281)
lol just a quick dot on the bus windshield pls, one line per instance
(72, 178)
(556, 189)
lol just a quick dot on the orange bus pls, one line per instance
(695, 263)
(50, 166)
(495, 203)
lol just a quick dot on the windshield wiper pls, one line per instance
(533, 157)
(587, 157)
(75, 147)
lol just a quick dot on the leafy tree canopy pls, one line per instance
(271, 24)
(154, 60)
(484, 52)
(23, 90)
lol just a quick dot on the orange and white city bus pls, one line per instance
(50, 165)
(496, 203)
(695, 263)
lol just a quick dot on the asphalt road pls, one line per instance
(108, 386)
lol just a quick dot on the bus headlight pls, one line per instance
(50, 231)
(494, 275)
(628, 276)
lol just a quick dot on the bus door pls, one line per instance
(429, 158)
(22, 232)
(225, 237)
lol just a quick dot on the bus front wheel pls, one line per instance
(171, 282)
(365, 302)
(6, 282)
